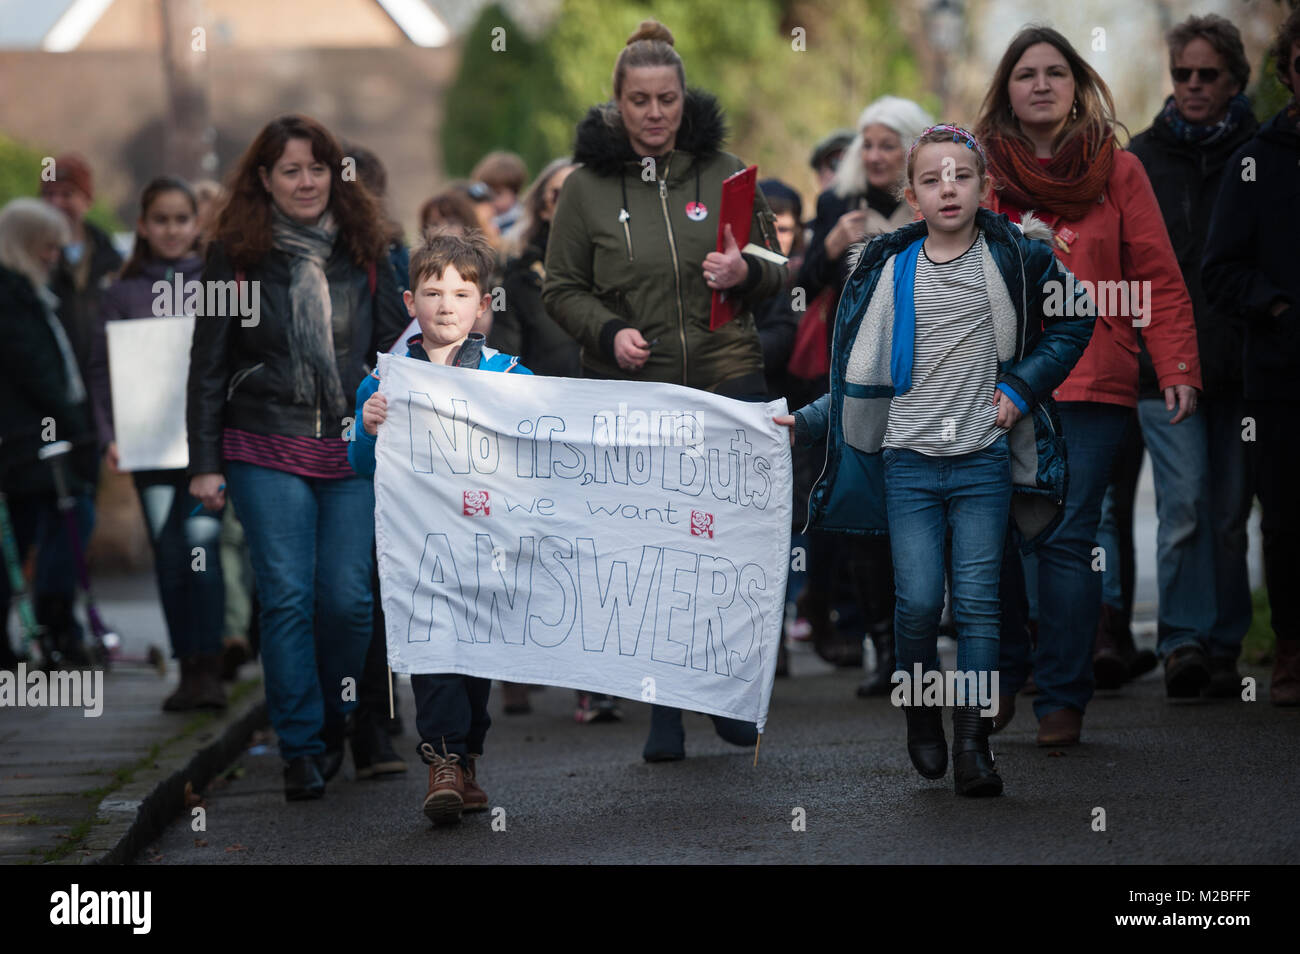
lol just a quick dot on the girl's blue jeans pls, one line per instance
(925, 497)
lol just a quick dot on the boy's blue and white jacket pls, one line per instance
(871, 361)
(473, 354)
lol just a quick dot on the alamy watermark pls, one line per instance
(82, 689)
(947, 688)
(211, 299)
(1123, 299)
(642, 428)
(77, 907)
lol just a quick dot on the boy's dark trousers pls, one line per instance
(451, 711)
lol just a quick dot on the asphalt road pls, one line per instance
(1191, 783)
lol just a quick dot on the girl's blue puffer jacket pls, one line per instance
(1036, 351)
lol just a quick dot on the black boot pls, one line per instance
(878, 683)
(302, 779)
(926, 745)
(735, 731)
(667, 739)
(973, 771)
(335, 729)
(372, 747)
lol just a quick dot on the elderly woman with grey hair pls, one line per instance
(863, 201)
(42, 398)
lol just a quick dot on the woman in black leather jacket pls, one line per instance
(297, 299)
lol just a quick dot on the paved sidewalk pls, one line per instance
(77, 790)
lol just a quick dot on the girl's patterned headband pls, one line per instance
(958, 135)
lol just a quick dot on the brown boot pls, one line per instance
(186, 695)
(476, 799)
(1061, 727)
(445, 799)
(209, 693)
(1284, 690)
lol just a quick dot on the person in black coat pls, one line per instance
(1250, 271)
(88, 262)
(524, 328)
(43, 398)
(269, 409)
(1200, 465)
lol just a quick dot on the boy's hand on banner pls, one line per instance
(112, 459)
(1008, 414)
(727, 268)
(374, 412)
(786, 420)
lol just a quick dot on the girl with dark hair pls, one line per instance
(1048, 123)
(166, 236)
(269, 409)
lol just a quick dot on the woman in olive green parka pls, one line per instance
(632, 233)
(631, 265)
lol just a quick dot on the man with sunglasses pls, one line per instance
(1199, 465)
(1252, 269)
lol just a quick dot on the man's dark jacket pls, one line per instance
(1251, 260)
(1186, 178)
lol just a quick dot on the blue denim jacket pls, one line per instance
(473, 354)
(1036, 352)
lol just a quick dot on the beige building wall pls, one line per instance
(246, 24)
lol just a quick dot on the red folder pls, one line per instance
(738, 212)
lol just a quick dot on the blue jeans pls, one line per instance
(1184, 535)
(1232, 486)
(193, 599)
(924, 497)
(1069, 590)
(310, 542)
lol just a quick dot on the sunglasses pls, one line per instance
(1206, 74)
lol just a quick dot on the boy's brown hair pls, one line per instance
(468, 250)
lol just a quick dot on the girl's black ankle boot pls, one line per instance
(973, 771)
(925, 742)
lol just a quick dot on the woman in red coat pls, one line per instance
(1048, 122)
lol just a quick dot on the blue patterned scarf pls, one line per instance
(1205, 135)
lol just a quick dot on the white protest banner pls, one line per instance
(148, 366)
(620, 537)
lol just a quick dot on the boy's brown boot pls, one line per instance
(446, 796)
(476, 799)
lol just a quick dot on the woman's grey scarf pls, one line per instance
(311, 328)
(76, 391)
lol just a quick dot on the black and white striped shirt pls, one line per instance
(949, 409)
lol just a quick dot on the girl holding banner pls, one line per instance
(632, 263)
(193, 597)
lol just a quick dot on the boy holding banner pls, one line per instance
(449, 276)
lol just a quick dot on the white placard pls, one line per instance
(148, 366)
(623, 538)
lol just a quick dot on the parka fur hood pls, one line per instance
(604, 148)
